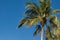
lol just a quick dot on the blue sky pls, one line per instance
(11, 11)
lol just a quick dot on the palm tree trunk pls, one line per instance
(42, 33)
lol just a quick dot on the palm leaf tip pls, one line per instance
(37, 30)
(19, 25)
(56, 10)
(21, 22)
(30, 4)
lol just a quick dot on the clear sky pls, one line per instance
(11, 11)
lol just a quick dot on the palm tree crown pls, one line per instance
(43, 14)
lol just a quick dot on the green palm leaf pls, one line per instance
(22, 22)
(38, 29)
(56, 32)
(48, 2)
(48, 34)
(54, 21)
(31, 12)
(34, 7)
(55, 11)
(30, 22)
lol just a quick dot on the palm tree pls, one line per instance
(42, 14)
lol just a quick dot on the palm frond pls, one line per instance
(45, 7)
(22, 22)
(57, 32)
(54, 21)
(40, 1)
(55, 11)
(38, 29)
(31, 12)
(31, 22)
(48, 2)
(33, 6)
(48, 34)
